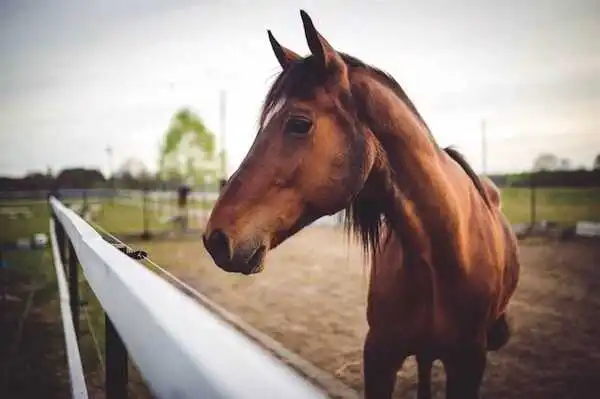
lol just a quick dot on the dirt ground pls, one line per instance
(311, 298)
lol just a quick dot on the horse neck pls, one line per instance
(408, 172)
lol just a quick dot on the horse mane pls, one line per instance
(363, 216)
(460, 159)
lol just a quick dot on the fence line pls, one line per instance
(181, 349)
(76, 377)
(331, 383)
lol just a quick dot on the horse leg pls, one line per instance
(381, 362)
(464, 372)
(498, 334)
(424, 364)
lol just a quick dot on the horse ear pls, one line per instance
(284, 55)
(319, 47)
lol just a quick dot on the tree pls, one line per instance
(546, 161)
(187, 153)
(564, 164)
(80, 178)
(132, 173)
(596, 163)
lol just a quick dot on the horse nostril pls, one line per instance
(218, 246)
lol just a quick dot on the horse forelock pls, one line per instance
(297, 80)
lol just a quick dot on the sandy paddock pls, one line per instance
(311, 298)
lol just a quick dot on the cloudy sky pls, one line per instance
(76, 77)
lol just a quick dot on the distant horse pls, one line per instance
(338, 134)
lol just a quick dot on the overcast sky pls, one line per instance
(77, 76)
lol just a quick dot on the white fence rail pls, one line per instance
(181, 349)
(76, 376)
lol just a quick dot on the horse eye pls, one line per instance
(298, 126)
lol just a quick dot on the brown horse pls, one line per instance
(338, 134)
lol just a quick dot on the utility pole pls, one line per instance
(223, 119)
(483, 148)
(109, 155)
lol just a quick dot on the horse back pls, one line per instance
(490, 245)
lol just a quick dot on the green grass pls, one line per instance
(563, 205)
(197, 204)
(20, 226)
(13, 228)
(37, 265)
(119, 218)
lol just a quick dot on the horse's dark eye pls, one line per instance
(298, 126)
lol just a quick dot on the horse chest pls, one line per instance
(400, 298)
(409, 299)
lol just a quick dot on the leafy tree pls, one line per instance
(546, 161)
(564, 164)
(132, 174)
(79, 178)
(132, 167)
(596, 163)
(187, 153)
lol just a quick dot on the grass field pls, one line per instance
(564, 205)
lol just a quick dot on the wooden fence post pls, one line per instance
(3, 267)
(74, 287)
(116, 376)
(145, 222)
(532, 186)
(85, 201)
(61, 239)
